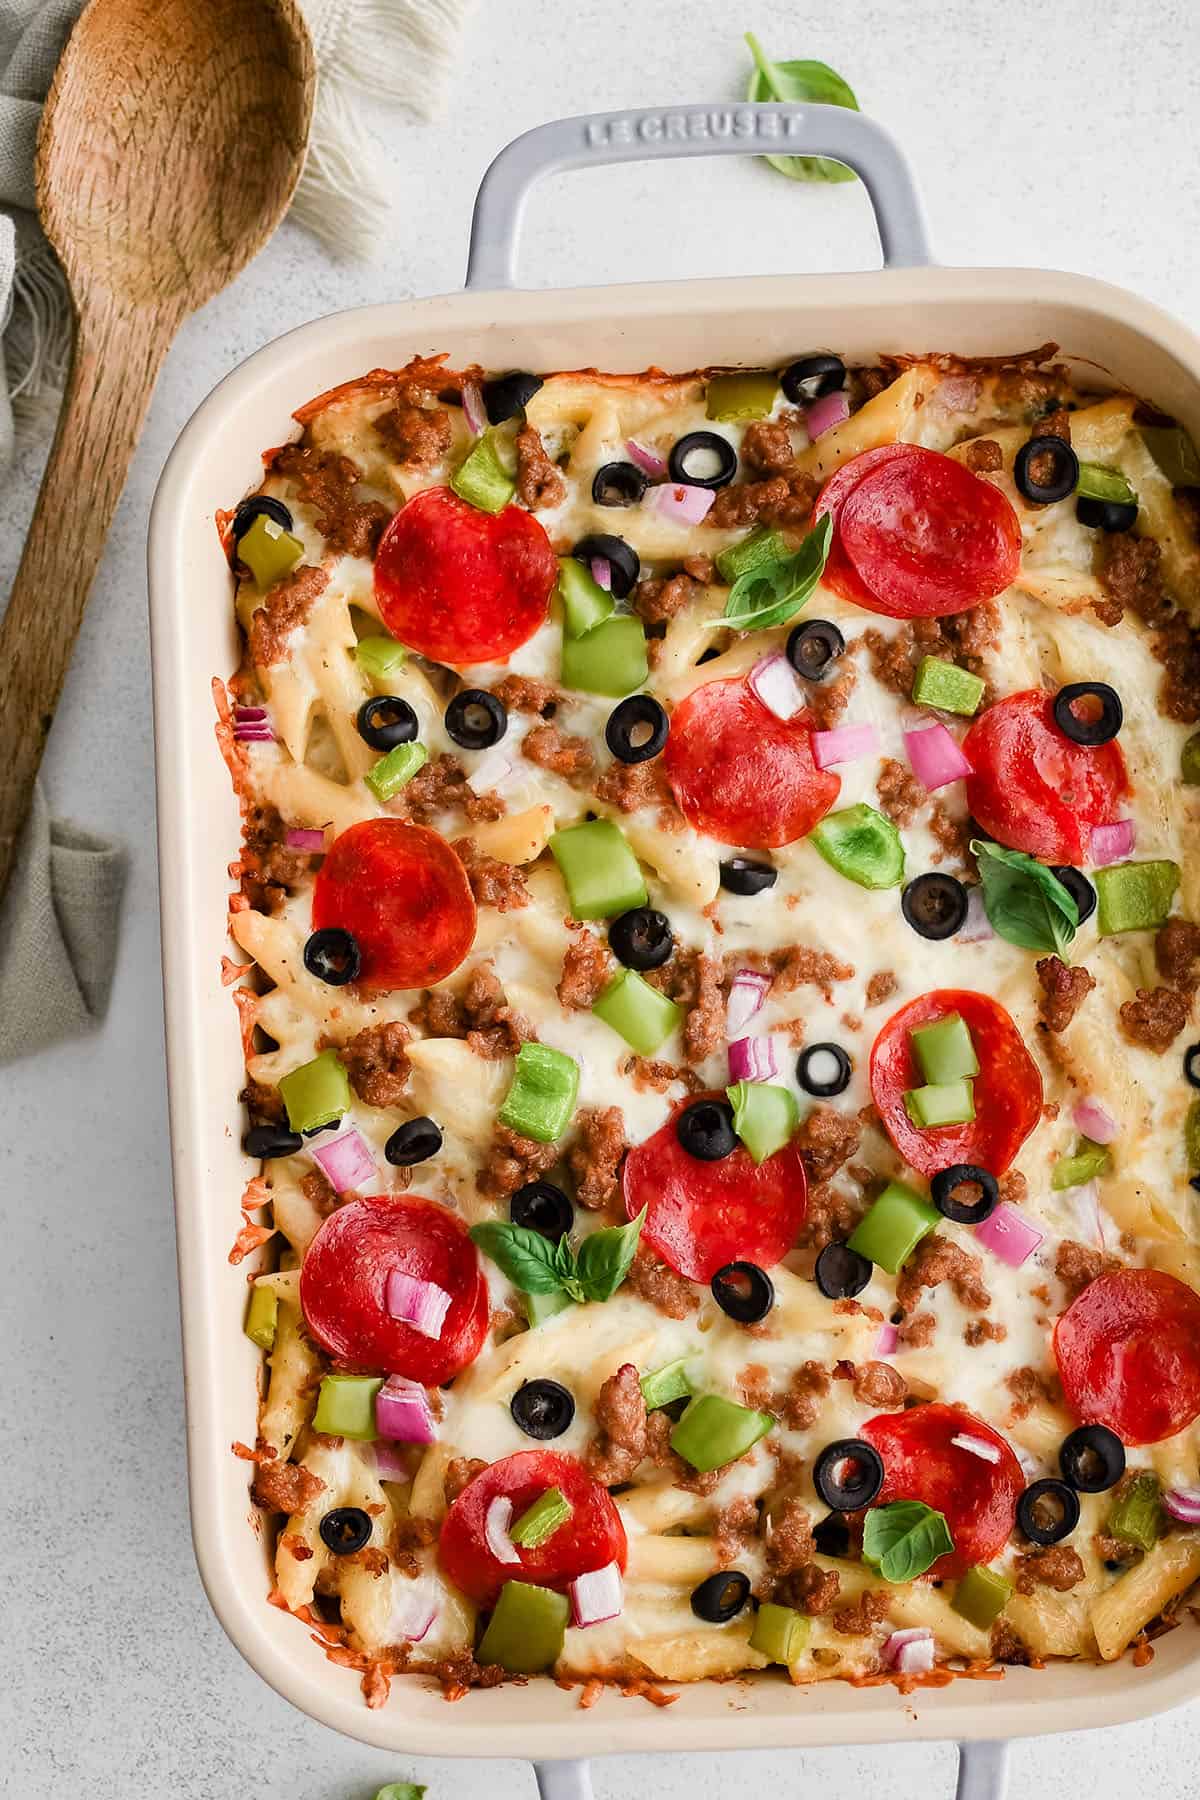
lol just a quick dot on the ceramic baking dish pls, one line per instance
(758, 321)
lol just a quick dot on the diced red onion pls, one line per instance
(1095, 1122)
(935, 756)
(830, 410)
(254, 731)
(1009, 1235)
(900, 1641)
(976, 927)
(403, 1413)
(844, 744)
(645, 459)
(958, 393)
(1111, 842)
(414, 1609)
(421, 1304)
(246, 715)
(602, 573)
(778, 686)
(747, 992)
(1087, 1206)
(887, 1343)
(752, 1059)
(345, 1161)
(596, 1596)
(495, 1530)
(977, 1446)
(303, 839)
(681, 501)
(391, 1459)
(474, 411)
(1183, 1504)
(916, 1658)
(493, 767)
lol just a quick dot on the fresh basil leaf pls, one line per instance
(1025, 901)
(774, 592)
(904, 1539)
(401, 1790)
(605, 1256)
(812, 81)
(528, 1259)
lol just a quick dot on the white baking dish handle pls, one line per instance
(721, 129)
(982, 1775)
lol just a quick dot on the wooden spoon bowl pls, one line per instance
(171, 143)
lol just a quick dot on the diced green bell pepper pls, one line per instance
(601, 872)
(1088, 1161)
(1139, 1516)
(609, 659)
(1097, 482)
(944, 1050)
(940, 1103)
(395, 770)
(745, 394)
(780, 1632)
(1189, 761)
(1191, 1137)
(764, 545)
(861, 845)
(316, 1093)
(262, 1317)
(527, 1628)
(947, 687)
(380, 658)
(1174, 452)
(485, 479)
(664, 1385)
(715, 1431)
(541, 1101)
(585, 603)
(1134, 896)
(540, 1307)
(268, 551)
(893, 1226)
(981, 1596)
(637, 1012)
(540, 1521)
(346, 1406)
(764, 1116)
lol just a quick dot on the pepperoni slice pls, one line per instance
(343, 1285)
(840, 573)
(592, 1537)
(460, 585)
(978, 1497)
(928, 537)
(1128, 1354)
(702, 1215)
(404, 896)
(1034, 788)
(1008, 1088)
(740, 774)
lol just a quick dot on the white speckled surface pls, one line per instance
(1059, 135)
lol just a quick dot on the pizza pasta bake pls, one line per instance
(718, 961)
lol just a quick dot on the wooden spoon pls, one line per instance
(171, 142)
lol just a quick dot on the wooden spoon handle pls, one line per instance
(116, 359)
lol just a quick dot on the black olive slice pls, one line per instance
(1048, 1511)
(935, 905)
(345, 1530)
(618, 484)
(333, 956)
(622, 559)
(823, 1069)
(1063, 473)
(265, 505)
(1103, 715)
(1092, 1458)
(831, 1535)
(1191, 1065)
(814, 647)
(743, 1291)
(848, 1474)
(742, 876)
(265, 1141)
(944, 1189)
(507, 395)
(637, 729)
(543, 1409)
(542, 1207)
(721, 1597)
(641, 938)
(842, 1272)
(1106, 515)
(386, 721)
(811, 376)
(1078, 886)
(413, 1142)
(705, 1129)
(476, 719)
(691, 446)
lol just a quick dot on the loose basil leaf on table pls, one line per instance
(904, 1539)
(812, 81)
(1025, 902)
(536, 1266)
(773, 592)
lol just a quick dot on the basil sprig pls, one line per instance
(811, 81)
(772, 592)
(1025, 901)
(904, 1539)
(532, 1263)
